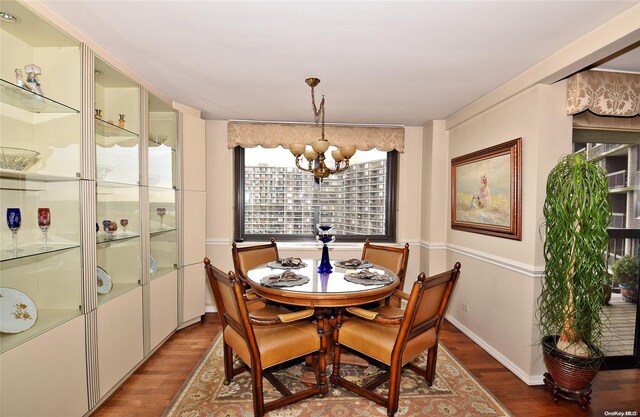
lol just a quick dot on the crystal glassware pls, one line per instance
(124, 223)
(105, 227)
(14, 220)
(44, 221)
(112, 229)
(161, 211)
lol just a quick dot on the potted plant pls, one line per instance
(577, 214)
(625, 274)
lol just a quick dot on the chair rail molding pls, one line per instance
(533, 271)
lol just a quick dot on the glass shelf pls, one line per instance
(110, 130)
(47, 319)
(117, 237)
(24, 99)
(33, 250)
(156, 232)
(161, 271)
(116, 291)
(21, 175)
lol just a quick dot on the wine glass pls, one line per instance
(124, 223)
(105, 227)
(161, 211)
(14, 220)
(44, 221)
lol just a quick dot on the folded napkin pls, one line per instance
(285, 276)
(291, 262)
(353, 262)
(372, 275)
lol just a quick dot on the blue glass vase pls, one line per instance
(325, 264)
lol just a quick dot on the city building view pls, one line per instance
(286, 200)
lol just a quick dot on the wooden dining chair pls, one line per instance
(396, 340)
(394, 259)
(248, 257)
(260, 342)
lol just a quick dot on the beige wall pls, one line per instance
(500, 278)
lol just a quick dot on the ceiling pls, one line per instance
(380, 62)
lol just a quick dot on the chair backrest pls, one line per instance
(427, 306)
(394, 259)
(249, 257)
(222, 285)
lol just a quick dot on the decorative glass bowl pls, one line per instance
(17, 159)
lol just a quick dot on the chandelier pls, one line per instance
(315, 155)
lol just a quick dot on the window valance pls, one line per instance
(604, 93)
(271, 135)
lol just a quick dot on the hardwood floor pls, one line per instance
(152, 387)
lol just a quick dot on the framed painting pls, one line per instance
(486, 188)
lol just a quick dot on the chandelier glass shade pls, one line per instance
(315, 155)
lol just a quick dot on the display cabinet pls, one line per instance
(162, 146)
(119, 322)
(41, 300)
(83, 143)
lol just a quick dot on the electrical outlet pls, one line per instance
(465, 307)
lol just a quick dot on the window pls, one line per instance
(276, 199)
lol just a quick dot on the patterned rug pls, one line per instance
(455, 392)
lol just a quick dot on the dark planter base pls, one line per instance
(583, 396)
(569, 376)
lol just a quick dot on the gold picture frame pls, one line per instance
(486, 188)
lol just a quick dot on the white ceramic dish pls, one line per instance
(104, 282)
(18, 312)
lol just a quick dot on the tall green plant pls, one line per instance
(577, 214)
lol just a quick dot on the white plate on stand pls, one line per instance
(18, 312)
(104, 282)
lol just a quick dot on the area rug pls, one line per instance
(454, 392)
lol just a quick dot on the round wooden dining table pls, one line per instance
(323, 292)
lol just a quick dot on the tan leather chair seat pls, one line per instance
(377, 340)
(276, 344)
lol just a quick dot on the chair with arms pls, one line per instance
(394, 259)
(261, 343)
(396, 340)
(248, 257)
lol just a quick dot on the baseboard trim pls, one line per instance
(526, 378)
(210, 309)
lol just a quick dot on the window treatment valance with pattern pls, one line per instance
(604, 93)
(271, 135)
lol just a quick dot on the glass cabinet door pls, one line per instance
(40, 256)
(117, 127)
(162, 144)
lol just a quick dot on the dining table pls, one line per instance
(343, 287)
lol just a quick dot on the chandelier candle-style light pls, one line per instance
(315, 155)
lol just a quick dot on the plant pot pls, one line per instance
(571, 373)
(629, 295)
(606, 289)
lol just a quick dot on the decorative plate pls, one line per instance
(18, 312)
(104, 282)
(287, 263)
(285, 279)
(153, 266)
(353, 264)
